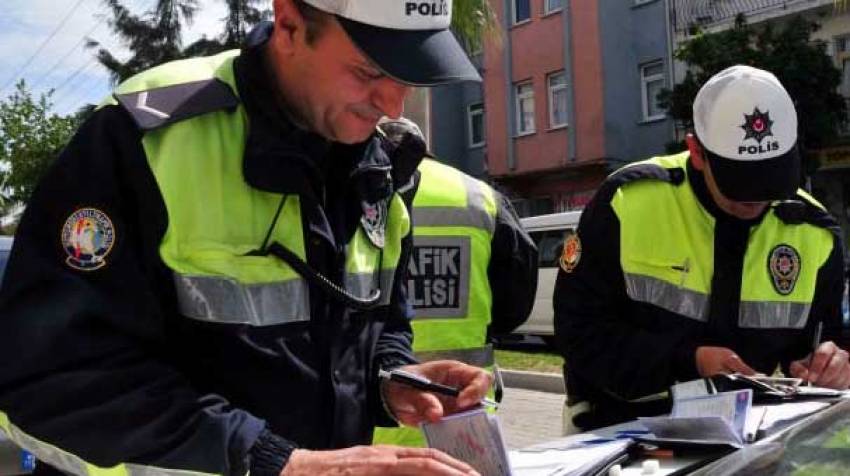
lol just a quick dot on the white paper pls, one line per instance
(473, 437)
(711, 419)
(699, 430)
(572, 459)
(691, 388)
(766, 417)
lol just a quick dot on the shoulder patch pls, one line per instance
(155, 108)
(87, 238)
(571, 254)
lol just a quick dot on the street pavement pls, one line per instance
(528, 417)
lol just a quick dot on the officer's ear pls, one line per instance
(289, 26)
(695, 149)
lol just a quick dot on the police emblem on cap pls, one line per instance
(571, 253)
(87, 238)
(374, 221)
(784, 266)
(757, 125)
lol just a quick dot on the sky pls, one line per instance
(43, 42)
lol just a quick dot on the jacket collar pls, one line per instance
(279, 156)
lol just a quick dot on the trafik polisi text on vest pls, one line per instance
(434, 277)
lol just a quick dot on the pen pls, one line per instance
(754, 435)
(815, 344)
(422, 383)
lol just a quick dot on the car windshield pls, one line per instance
(820, 446)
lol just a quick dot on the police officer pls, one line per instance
(710, 261)
(472, 273)
(211, 275)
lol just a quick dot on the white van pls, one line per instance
(549, 233)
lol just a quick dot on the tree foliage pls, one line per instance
(800, 63)
(473, 21)
(242, 15)
(153, 37)
(31, 137)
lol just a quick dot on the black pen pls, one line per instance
(815, 344)
(422, 383)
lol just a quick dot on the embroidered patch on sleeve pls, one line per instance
(87, 238)
(571, 253)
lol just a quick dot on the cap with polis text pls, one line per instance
(747, 125)
(408, 40)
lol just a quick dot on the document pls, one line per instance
(771, 389)
(767, 419)
(570, 459)
(705, 419)
(473, 437)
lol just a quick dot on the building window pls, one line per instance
(550, 6)
(522, 10)
(651, 83)
(557, 99)
(475, 125)
(524, 108)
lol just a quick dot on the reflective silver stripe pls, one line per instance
(139, 470)
(475, 214)
(48, 453)
(73, 464)
(453, 216)
(363, 284)
(773, 315)
(667, 296)
(224, 300)
(478, 356)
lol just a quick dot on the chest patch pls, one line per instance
(374, 221)
(784, 267)
(87, 238)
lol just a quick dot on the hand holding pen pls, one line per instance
(428, 391)
(826, 366)
(422, 383)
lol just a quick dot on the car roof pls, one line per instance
(552, 221)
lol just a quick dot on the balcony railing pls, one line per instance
(691, 13)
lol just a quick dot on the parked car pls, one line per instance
(5, 249)
(549, 233)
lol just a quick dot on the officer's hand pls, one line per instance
(720, 360)
(829, 367)
(375, 460)
(412, 406)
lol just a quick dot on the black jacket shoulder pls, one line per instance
(633, 173)
(804, 209)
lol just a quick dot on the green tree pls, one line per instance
(473, 21)
(242, 15)
(31, 137)
(800, 63)
(153, 38)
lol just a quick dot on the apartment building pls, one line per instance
(568, 95)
